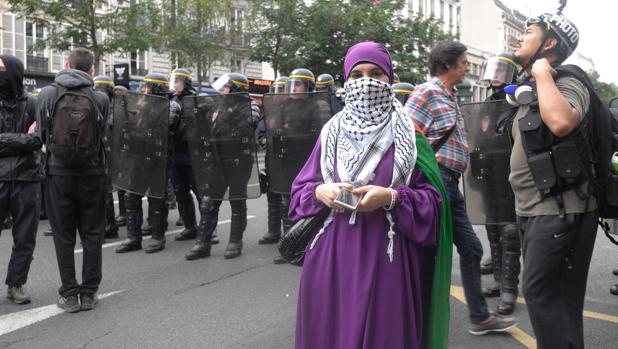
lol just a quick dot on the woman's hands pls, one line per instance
(375, 197)
(327, 193)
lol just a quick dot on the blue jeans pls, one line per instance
(468, 246)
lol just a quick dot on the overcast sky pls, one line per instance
(594, 20)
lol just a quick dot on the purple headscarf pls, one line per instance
(369, 52)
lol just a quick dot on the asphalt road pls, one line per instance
(163, 301)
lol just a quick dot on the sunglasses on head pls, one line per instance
(538, 20)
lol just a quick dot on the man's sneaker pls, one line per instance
(70, 304)
(18, 295)
(89, 301)
(493, 323)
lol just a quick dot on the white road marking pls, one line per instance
(15, 321)
(116, 243)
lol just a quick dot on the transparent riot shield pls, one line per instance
(139, 147)
(488, 195)
(293, 125)
(221, 136)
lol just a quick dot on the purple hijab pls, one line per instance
(369, 52)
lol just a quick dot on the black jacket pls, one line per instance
(20, 153)
(71, 78)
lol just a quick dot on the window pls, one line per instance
(433, 8)
(236, 65)
(7, 33)
(442, 10)
(236, 26)
(420, 6)
(138, 63)
(450, 18)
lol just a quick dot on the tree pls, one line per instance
(200, 32)
(319, 38)
(93, 24)
(606, 91)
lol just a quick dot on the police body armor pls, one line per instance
(293, 125)
(221, 138)
(488, 195)
(140, 143)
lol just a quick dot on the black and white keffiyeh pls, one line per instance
(357, 138)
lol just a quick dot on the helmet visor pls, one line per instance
(297, 85)
(278, 87)
(178, 81)
(221, 83)
(498, 70)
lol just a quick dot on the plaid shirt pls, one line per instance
(434, 111)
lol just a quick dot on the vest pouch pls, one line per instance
(542, 168)
(535, 135)
(567, 161)
(612, 189)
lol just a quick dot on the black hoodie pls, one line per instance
(20, 158)
(71, 79)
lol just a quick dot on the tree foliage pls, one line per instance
(289, 34)
(93, 24)
(606, 91)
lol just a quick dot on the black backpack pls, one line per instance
(74, 135)
(602, 142)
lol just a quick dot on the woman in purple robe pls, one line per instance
(367, 274)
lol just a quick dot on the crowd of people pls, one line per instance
(376, 274)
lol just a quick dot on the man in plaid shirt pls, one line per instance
(433, 107)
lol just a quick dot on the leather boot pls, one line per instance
(111, 229)
(486, 266)
(273, 234)
(287, 224)
(134, 222)
(208, 223)
(614, 290)
(214, 240)
(187, 234)
(510, 269)
(237, 229)
(121, 219)
(186, 211)
(615, 271)
(159, 217)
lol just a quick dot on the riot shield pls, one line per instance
(488, 195)
(293, 125)
(221, 137)
(139, 147)
(613, 104)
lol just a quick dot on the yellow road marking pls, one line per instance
(587, 313)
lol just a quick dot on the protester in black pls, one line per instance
(75, 193)
(20, 173)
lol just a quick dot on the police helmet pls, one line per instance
(236, 82)
(279, 85)
(402, 90)
(558, 26)
(103, 83)
(499, 70)
(325, 82)
(396, 78)
(35, 92)
(301, 77)
(183, 77)
(154, 83)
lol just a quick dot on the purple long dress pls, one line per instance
(351, 295)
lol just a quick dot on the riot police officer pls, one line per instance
(105, 84)
(275, 215)
(326, 83)
(155, 84)
(227, 124)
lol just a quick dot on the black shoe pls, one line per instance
(269, 238)
(171, 205)
(214, 240)
(199, 250)
(121, 221)
(43, 216)
(187, 234)
(507, 303)
(615, 271)
(279, 260)
(491, 291)
(129, 245)
(88, 301)
(232, 250)
(180, 222)
(48, 232)
(486, 266)
(155, 246)
(614, 290)
(70, 304)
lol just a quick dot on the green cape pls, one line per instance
(437, 328)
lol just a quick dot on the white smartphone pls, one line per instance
(345, 198)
